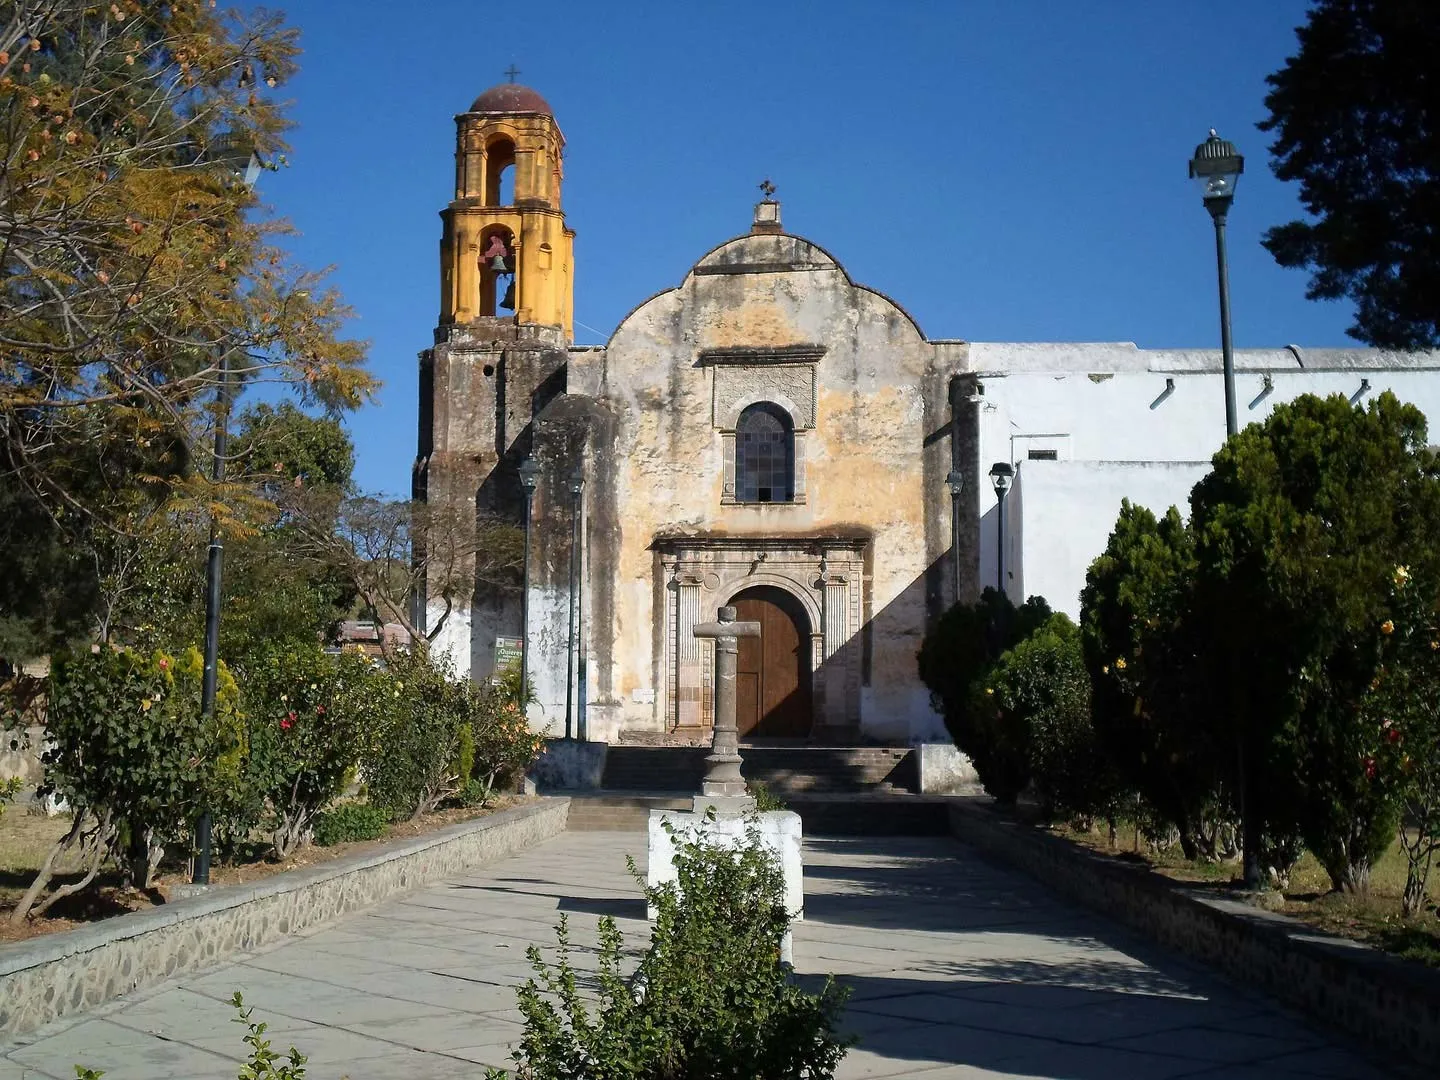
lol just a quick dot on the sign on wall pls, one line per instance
(507, 652)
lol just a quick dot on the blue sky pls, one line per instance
(1008, 170)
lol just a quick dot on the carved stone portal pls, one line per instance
(827, 576)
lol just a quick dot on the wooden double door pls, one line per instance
(772, 676)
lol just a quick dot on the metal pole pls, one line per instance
(1000, 545)
(955, 543)
(525, 615)
(1227, 352)
(214, 565)
(570, 664)
(582, 727)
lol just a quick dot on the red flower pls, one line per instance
(1393, 735)
(319, 710)
(1369, 768)
(292, 714)
(285, 725)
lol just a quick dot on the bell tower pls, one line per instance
(506, 251)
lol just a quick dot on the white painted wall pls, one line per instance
(1120, 431)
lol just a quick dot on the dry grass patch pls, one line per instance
(1374, 919)
(26, 838)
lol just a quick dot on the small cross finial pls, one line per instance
(511, 72)
(767, 189)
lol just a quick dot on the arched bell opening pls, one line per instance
(497, 270)
(500, 173)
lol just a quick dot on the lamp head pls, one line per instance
(529, 474)
(1216, 167)
(955, 481)
(1002, 474)
(577, 482)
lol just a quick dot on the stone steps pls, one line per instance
(854, 814)
(783, 769)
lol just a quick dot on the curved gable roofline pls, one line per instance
(834, 264)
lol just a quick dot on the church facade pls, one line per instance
(770, 434)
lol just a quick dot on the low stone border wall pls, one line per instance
(1387, 1002)
(52, 976)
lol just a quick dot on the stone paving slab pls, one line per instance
(958, 970)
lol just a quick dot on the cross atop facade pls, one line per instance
(511, 71)
(767, 189)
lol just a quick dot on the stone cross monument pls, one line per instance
(724, 787)
(734, 819)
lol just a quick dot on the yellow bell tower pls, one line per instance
(506, 247)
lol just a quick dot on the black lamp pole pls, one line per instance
(572, 661)
(529, 478)
(1001, 475)
(1217, 166)
(955, 481)
(236, 153)
(214, 564)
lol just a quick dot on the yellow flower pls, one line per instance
(1105, 670)
(1387, 627)
(989, 690)
(145, 705)
(1402, 575)
(1120, 663)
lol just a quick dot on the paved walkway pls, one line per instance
(958, 970)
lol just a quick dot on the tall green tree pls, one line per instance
(1153, 692)
(1298, 530)
(1354, 118)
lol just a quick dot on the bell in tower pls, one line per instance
(506, 247)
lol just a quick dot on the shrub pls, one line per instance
(1152, 696)
(410, 761)
(134, 758)
(962, 647)
(307, 714)
(766, 800)
(349, 822)
(1298, 528)
(1404, 708)
(710, 998)
(504, 747)
(1041, 726)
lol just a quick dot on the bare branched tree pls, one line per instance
(393, 551)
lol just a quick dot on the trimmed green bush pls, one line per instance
(349, 822)
(961, 648)
(710, 998)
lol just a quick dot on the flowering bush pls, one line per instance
(1404, 707)
(504, 745)
(411, 763)
(307, 714)
(134, 758)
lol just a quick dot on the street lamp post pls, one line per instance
(237, 154)
(1216, 167)
(955, 481)
(577, 489)
(1002, 473)
(529, 478)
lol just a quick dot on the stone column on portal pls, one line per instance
(689, 688)
(724, 787)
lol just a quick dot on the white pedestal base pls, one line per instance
(779, 832)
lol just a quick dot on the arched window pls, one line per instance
(764, 455)
(500, 173)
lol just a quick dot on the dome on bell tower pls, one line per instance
(510, 97)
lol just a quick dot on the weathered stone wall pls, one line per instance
(53, 976)
(1392, 1004)
(872, 454)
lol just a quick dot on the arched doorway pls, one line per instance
(772, 676)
